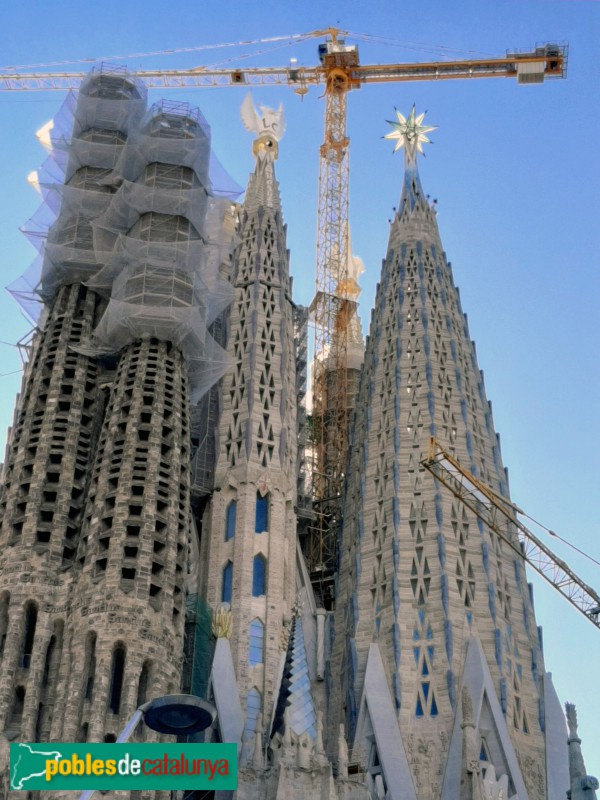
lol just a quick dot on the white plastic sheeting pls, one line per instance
(136, 208)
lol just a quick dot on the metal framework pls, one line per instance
(547, 61)
(500, 515)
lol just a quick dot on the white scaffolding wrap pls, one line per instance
(138, 209)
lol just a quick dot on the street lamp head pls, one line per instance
(179, 714)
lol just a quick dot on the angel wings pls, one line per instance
(264, 121)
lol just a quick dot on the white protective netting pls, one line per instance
(138, 209)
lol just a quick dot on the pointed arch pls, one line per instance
(257, 642)
(253, 711)
(259, 576)
(230, 520)
(117, 673)
(227, 583)
(29, 633)
(261, 522)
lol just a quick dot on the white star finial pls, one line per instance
(409, 132)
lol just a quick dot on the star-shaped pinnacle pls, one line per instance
(409, 132)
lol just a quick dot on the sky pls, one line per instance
(515, 172)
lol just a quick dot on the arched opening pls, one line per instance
(117, 671)
(4, 604)
(227, 587)
(257, 642)
(259, 576)
(29, 634)
(261, 522)
(230, 519)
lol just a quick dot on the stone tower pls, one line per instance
(248, 551)
(437, 666)
(96, 521)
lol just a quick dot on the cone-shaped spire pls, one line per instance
(294, 690)
(252, 544)
(419, 575)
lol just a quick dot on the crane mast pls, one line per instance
(500, 515)
(330, 397)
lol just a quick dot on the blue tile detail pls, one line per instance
(518, 572)
(485, 552)
(439, 514)
(397, 694)
(542, 714)
(498, 647)
(396, 641)
(458, 376)
(444, 587)
(354, 620)
(442, 549)
(451, 683)
(395, 554)
(453, 349)
(503, 695)
(431, 404)
(492, 601)
(396, 514)
(469, 441)
(395, 596)
(448, 639)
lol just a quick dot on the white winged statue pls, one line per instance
(266, 122)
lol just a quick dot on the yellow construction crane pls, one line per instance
(339, 71)
(500, 515)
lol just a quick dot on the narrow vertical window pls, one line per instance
(227, 583)
(253, 709)
(257, 640)
(143, 684)
(230, 520)
(261, 523)
(116, 679)
(4, 603)
(259, 576)
(90, 665)
(29, 634)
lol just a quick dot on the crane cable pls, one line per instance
(556, 536)
(293, 37)
(289, 39)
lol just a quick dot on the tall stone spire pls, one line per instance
(250, 548)
(583, 786)
(430, 602)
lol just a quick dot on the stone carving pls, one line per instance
(222, 623)
(495, 788)
(305, 750)
(342, 753)
(258, 761)
(263, 121)
(470, 738)
(571, 720)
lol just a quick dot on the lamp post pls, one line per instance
(175, 714)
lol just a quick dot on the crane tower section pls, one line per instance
(332, 310)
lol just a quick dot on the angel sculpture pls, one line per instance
(266, 123)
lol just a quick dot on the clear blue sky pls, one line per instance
(515, 170)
